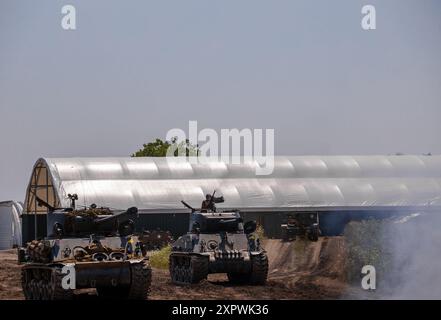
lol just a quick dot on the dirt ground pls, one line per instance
(298, 270)
(9, 276)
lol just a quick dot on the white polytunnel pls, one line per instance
(296, 183)
(10, 226)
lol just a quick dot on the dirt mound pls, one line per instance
(309, 266)
(325, 256)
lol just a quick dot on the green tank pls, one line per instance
(218, 242)
(95, 244)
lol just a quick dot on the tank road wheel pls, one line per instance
(259, 269)
(141, 279)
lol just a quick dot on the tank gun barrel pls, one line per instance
(188, 206)
(120, 217)
(122, 221)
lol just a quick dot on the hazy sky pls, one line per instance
(134, 69)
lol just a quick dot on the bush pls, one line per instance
(260, 232)
(159, 259)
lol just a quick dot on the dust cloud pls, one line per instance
(405, 252)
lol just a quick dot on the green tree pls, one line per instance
(159, 148)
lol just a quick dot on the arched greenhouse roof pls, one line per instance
(297, 183)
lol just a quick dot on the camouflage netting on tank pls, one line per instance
(91, 212)
(40, 251)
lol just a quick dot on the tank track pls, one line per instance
(44, 284)
(141, 277)
(188, 269)
(139, 289)
(259, 269)
(256, 276)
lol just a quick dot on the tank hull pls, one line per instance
(45, 281)
(116, 266)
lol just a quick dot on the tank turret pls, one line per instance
(93, 220)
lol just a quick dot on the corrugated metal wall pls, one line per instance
(331, 222)
(27, 223)
(177, 224)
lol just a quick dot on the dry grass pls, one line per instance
(260, 232)
(159, 259)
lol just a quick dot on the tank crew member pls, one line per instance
(209, 203)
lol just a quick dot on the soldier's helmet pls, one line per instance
(208, 196)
